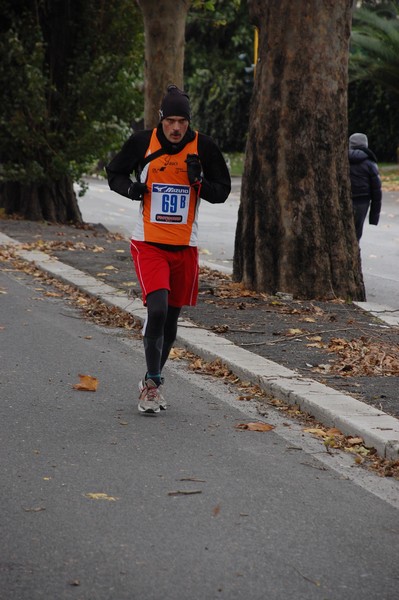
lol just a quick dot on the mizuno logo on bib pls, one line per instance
(169, 203)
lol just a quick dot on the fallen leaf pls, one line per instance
(176, 353)
(82, 301)
(333, 431)
(37, 509)
(216, 510)
(322, 368)
(100, 496)
(354, 441)
(331, 442)
(220, 328)
(315, 431)
(294, 331)
(275, 402)
(255, 426)
(87, 384)
(110, 268)
(358, 449)
(184, 492)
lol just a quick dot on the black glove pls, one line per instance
(136, 190)
(193, 168)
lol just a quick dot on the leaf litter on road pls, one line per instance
(103, 314)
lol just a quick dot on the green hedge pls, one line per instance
(375, 112)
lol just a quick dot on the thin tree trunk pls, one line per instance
(55, 202)
(164, 29)
(295, 230)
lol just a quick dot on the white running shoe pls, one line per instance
(162, 401)
(150, 398)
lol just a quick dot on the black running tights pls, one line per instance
(160, 330)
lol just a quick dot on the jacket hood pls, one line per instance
(358, 155)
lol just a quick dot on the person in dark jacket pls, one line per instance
(365, 182)
(175, 167)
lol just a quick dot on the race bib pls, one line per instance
(169, 203)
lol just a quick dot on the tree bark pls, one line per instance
(54, 201)
(164, 28)
(295, 230)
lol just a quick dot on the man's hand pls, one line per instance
(193, 168)
(136, 190)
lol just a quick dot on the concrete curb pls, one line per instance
(327, 405)
(385, 313)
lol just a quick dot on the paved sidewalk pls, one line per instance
(249, 333)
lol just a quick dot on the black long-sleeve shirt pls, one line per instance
(216, 183)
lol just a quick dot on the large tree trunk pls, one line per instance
(295, 229)
(164, 28)
(53, 201)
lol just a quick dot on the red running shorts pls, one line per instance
(175, 271)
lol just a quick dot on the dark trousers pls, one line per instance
(360, 208)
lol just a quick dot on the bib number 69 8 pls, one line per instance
(170, 203)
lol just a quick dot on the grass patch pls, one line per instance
(389, 177)
(389, 171)
(235, 162)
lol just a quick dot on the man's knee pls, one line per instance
(157, 310)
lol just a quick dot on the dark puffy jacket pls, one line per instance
(365, 180)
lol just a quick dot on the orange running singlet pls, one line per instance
(169, 210)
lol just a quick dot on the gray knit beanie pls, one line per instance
(357, 140)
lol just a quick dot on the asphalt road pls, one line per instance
(193, 508)
(380, 254)
(217, 226)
